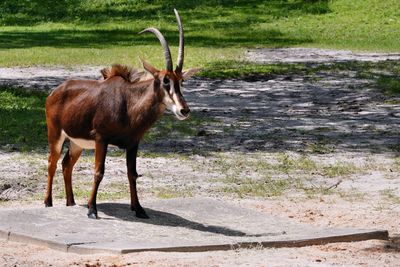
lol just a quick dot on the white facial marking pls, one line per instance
(171, 101)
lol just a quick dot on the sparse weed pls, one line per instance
(390, 196)
(339, 169)
(352, 195)
(266, 187)
(250, 175)
(320, 148)
(172, 192)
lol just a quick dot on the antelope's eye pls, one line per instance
(166, 80)
(166, 83)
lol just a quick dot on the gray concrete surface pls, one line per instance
(191, 224)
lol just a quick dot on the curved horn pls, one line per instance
(179, 65)
(164, 44)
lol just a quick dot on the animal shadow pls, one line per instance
(122, 211)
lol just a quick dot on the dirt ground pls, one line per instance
(323, 150)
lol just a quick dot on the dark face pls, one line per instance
(173, 98)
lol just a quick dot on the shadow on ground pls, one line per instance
(122, 212)
(329, 111)
(124, 37)
(321, 114)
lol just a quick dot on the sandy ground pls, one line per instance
(349, 137)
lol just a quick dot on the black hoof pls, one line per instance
(71, 204)
(48, 204)
(142, 215)
(92, 214)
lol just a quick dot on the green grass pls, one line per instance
(82, 32)
(22, 119)
(243, 69)
(389, 84)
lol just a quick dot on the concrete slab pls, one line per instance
(191, 224)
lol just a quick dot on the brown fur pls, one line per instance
(127, 73)
(117, 111)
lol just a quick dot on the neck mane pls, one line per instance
(129, 74)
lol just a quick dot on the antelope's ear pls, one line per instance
(189, 73)
(149, 68)
(105, 73)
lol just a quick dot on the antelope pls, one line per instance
(115, 111)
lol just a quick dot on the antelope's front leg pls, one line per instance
(131, 155)
(100, 158)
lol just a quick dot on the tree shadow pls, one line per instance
(66, 38)
(39, 11)
(124, 37)
(230, 23)
(323, 114)
(331, 111)
(122, 212)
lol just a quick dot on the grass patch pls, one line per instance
(22, 119)
(287, 164)
(81, 32)
(320, 147)
(388, 84)
(339, 169)
(242, 69)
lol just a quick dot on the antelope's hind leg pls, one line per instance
(70, 158)
(55, 145)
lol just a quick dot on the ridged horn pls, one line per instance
(164, 44)
(181, 52)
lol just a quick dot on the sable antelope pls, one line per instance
(118, 110)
